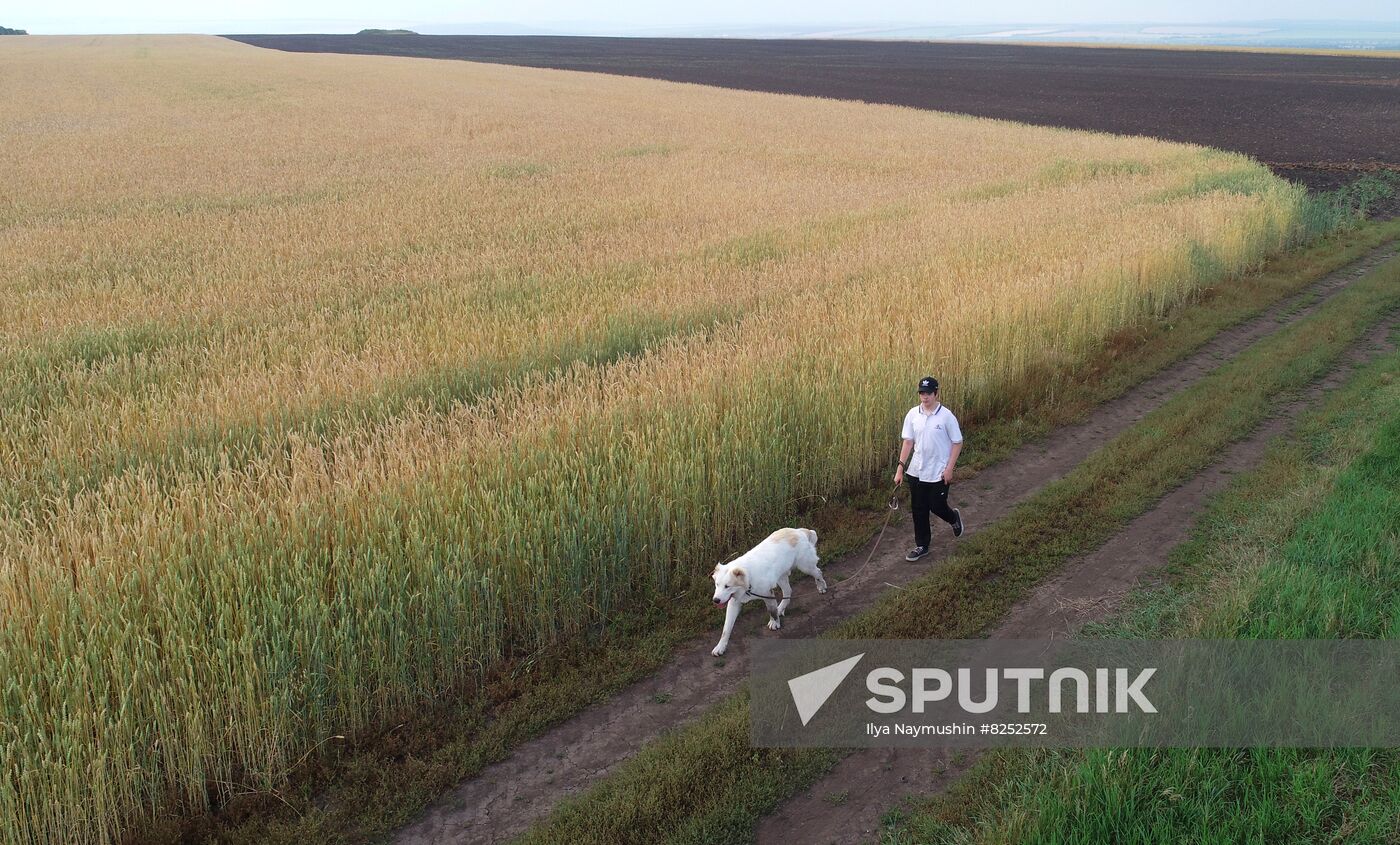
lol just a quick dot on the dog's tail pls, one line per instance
(811, 536)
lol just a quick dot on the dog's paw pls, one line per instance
(821, 588)
(718, 651)
(774, 624)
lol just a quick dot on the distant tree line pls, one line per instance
(386, 32)
(5, 30)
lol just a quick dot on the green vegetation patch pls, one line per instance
(1245, 181)
(1073, 170)
(748, 250)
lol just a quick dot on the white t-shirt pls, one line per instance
(933, 435)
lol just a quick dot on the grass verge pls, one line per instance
(1307, 545)
(366, 785)
(723, 787)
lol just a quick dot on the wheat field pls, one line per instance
(328, 381)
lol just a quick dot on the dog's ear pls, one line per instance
(740, 575)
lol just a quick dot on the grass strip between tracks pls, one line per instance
(1303, 546)
(705, 783)
(371, 784)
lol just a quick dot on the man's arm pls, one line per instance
(952, 460)
(954, 433)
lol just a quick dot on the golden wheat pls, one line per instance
(330, 380)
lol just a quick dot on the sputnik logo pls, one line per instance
(810, 691)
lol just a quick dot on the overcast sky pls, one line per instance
(93, 16)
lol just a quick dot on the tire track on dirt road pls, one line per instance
(507, 797)
(1088, 589)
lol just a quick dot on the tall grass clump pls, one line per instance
(1347, 206)
(332, 381)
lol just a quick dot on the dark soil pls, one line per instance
(1319, 120)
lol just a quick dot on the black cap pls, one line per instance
(928, 384)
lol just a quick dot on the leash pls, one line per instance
(889, 514)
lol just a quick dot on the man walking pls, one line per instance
(931, 443)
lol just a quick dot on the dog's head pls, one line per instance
(730, 581)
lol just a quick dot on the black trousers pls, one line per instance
(927, 497)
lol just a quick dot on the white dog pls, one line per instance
(760, 572)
